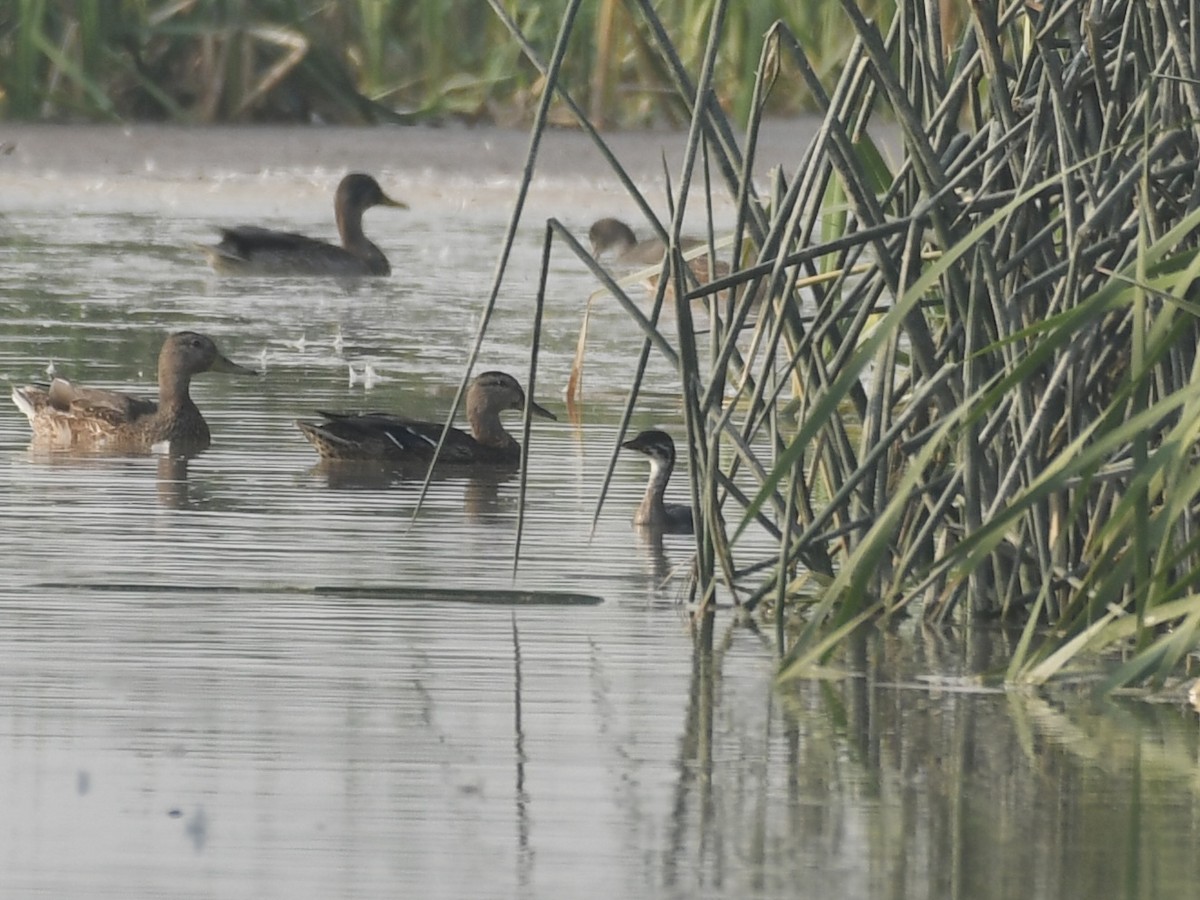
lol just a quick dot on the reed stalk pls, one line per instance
(991, 391)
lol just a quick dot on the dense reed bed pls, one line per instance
(370, 60)
(972, 391)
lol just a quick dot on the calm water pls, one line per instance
(236, 679)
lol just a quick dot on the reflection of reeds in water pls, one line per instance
(988, 403)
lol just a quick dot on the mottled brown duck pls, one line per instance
(65, 416)
(384, 437)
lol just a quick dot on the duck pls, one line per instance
(250, 250)
(613, 235)
(65, 416)
(384, 437)
(653, 512)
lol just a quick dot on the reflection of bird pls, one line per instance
(653, 512)
(249, 250)
(64, 416)
(174, 492)
(391, 438)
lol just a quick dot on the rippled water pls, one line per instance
(252, 677)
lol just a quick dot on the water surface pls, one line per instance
(241, 678)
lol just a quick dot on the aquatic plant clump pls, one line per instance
(964, 384)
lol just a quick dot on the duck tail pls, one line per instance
(30, 399)
(328, 444)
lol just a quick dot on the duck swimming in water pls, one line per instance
(384, 437)
(654, 512)
(613, 235)
(67, 417)
(249, 250)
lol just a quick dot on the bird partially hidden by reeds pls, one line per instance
(654, 512)
(250, 250)
(397, 440)
(609, 236)
(64, 416)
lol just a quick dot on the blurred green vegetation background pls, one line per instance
(362, 61)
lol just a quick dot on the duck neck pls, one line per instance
(486, 426)
(652, 508)
(349, 226)
(350, 230)
(173, 390)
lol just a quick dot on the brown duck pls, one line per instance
(65, 416)
(395, 439)
(249, 250)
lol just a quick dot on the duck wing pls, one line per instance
(65, 416)
(250, 250)
(114, 407)
(384, 436)
(650, 251)
(245, 240)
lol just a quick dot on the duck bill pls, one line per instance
(389, 201)
(223, 364)
(541, 411)
(631, 444)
